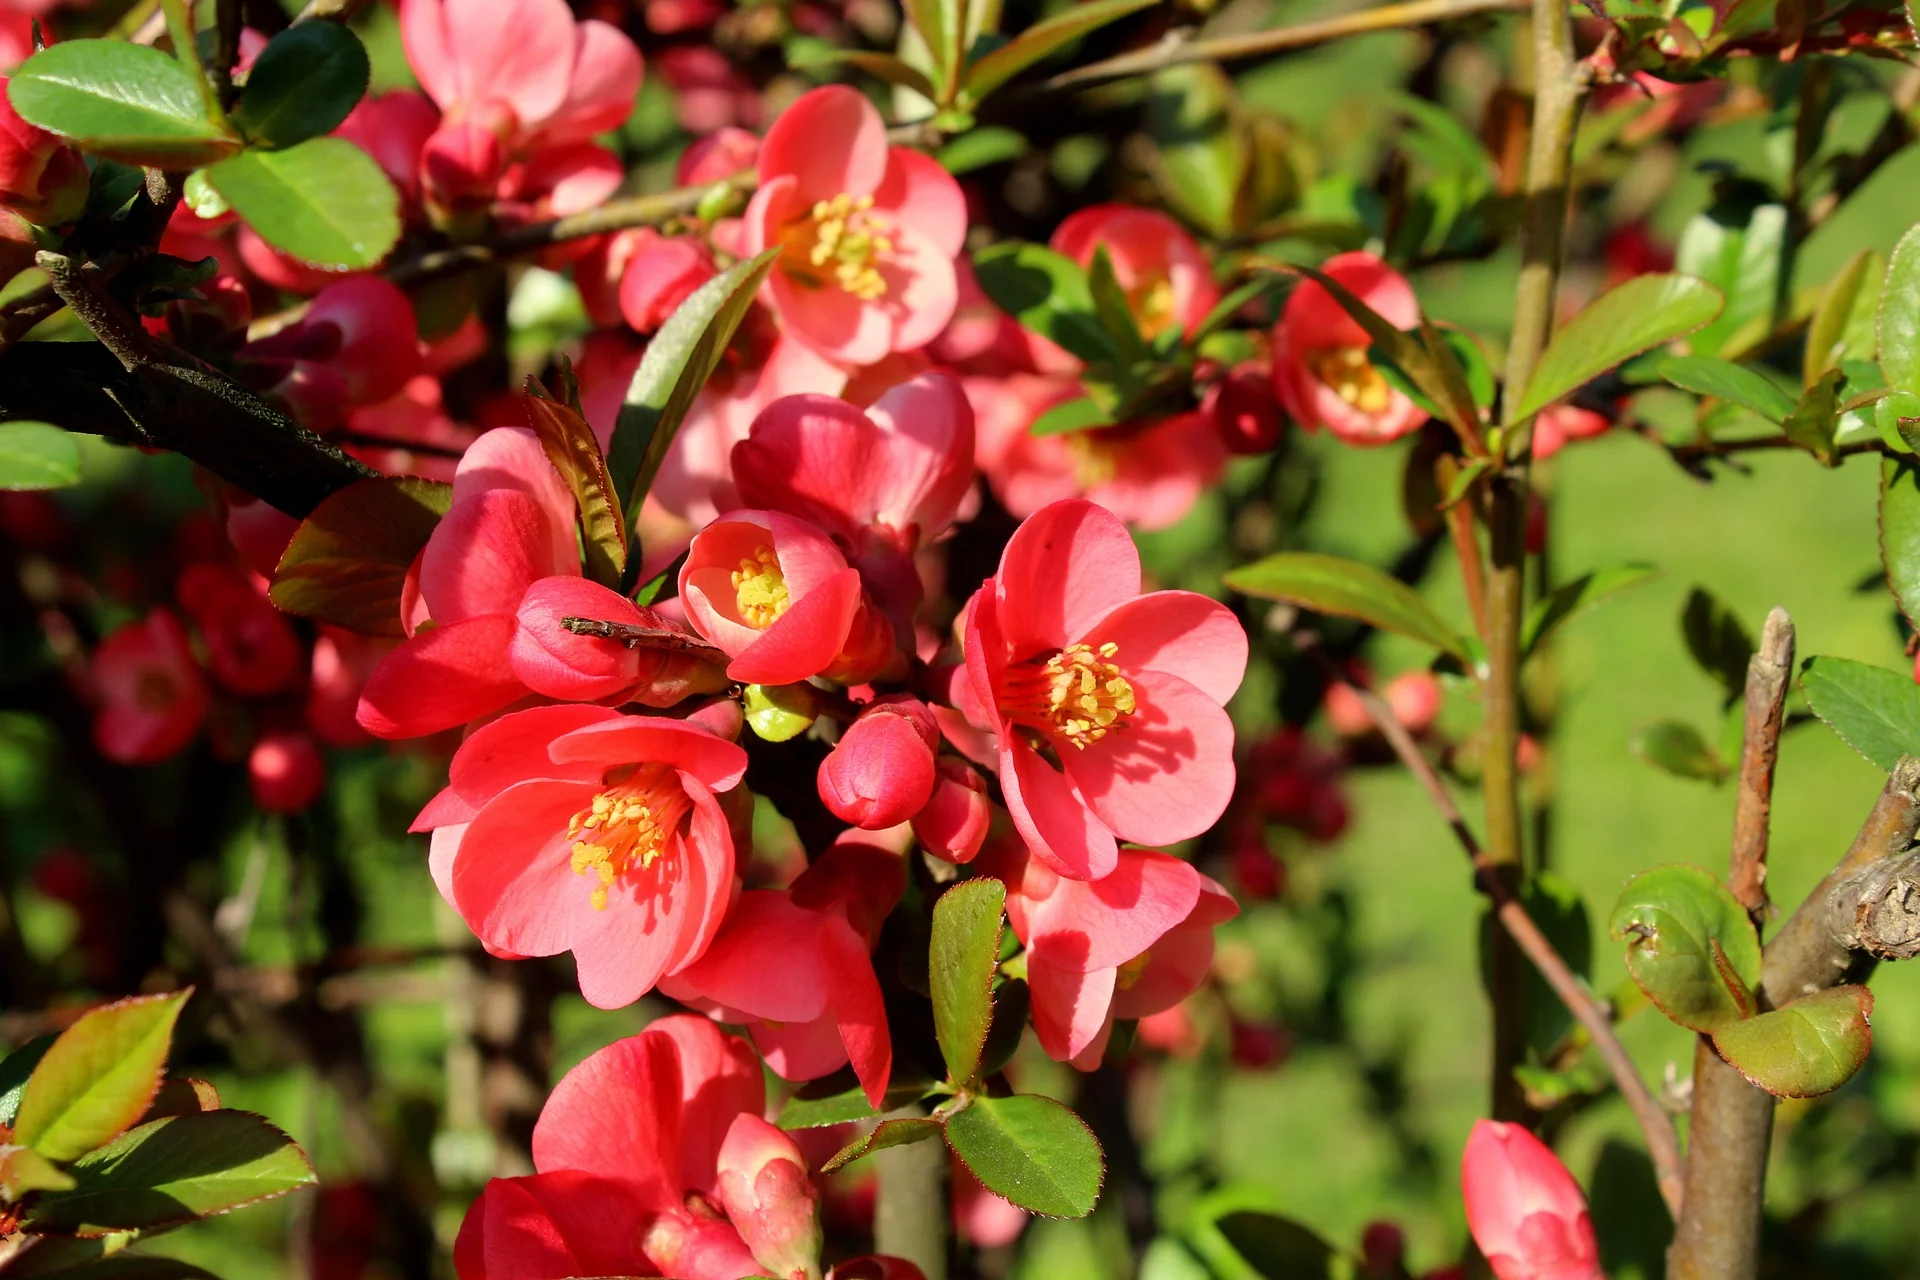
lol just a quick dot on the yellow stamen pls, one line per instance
(760, 589)
(1152, 303)
(1077, 696)
(1130, 972)
(1352, 378)
(845, 237)
(626, 826)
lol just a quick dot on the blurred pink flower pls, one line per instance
(1526, 1212)
(1320, 367)
(150, 695)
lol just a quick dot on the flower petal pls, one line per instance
(1104, 923)
(805, 639)
(441, 678)
(719, 1079)
(620, 739)
(1181, 633)
(1070, 1009)
(513, 879)
(513, 749)
(1165, 777)
(920, 192)
(832, 141)
(617, 1114)
(485, 553)
(858, 1008)
(1059, 829)
(1070, 564)
(766, 961)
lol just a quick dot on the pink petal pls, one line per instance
(1068, 565)
(484, 555)
(815, 456)
(707, 847)
(1102, 924)
(858, 1007)
(1070, 1009)
(1058, 828)
(1181, 633)
(621, 952)
(567, 178)
(1168, 774)
(550, 1226)
(442, 848)
(556, 663)
(423, 33)
(800, 1050)
(766, 961)
(513, 879)
(718, 1080)
(621, 739)
(926, 427)
(1176, 968)
(838, 325)
(923, 289)
(442, 678)
(1314, 321)
(832, 141)
(920, 192)
(519, 53)
(511, 750)
(805, 639)
(600, 93)
(617, 1114)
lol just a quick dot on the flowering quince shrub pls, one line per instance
(761, 642)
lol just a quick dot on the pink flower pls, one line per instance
(341, 663)
(1164, 271)
(881, 773)
(1559, 425)
(1320, 367)
(775, 594)
(717, 156)
(1243, 411)
(43, 177)
(1125, 690)
(356, 345)
(151, 695)
(769, 1198)
(286, 772)
(251, 648)
(794, 967)
(393, 128)
(953, 823)
(1134, 943)
(1526, 1212)
(868, 232)
(576, 828)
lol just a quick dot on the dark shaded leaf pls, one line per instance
(1578, 596)
(1717, 640)
(1048, 293)
(1676, 747)
(1278, 1248)
(1040, 40)
(303, 84)
(348, 560)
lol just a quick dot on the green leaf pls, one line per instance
(123, 101)
(1082, 413)
(888, 1133)
(348, 561)
(325, 201)
(1557, 906)
(98, 1077)
(1875, 711)
(37, 455)
(1900, 531)
(14, 1072)
(1630, 318)
(1200, 154)
(575, 453)
(1899, 327)
(1032, 1151)
(175, 1170)
(1815, 421)
(1806, 1047)
(303, 85)
(1328, 584)
(978, 148)
(1583, 593)
(965, 950)
(98, 1259)
(24, 1171)
(1690, 946)
(1229, 306)
(1718, 641)
(1896, 416)
(881, 66)
(1737, 246)
(1040, 40)
(940, 25)
(1842, 327)
(1048, 293)
(813, 1109)
(1278, 1248)
(1725, 380)
(1111, 307)
(679, 360)
(1675, 747)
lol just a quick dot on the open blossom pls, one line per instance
(150, 694)
(1162, 269)
(251, 648)
(1526, 1212)
(1320, 367)
(1125, 690)
(577, 828)
(868, 232)
(1134, 943)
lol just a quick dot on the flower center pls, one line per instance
(843, 235)
(1352, 378)
(760, 589)
(1095, 461)
(1129, 973)
(1152, 303)
(1076, 696)
(627, 825)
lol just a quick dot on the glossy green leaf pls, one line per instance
(888, 1133)
(965, 950)
(1676, 747)
(679, 360)
(1725, 380)
(1279, 1248)
(1875, 711)
(1048, 293)
(1900, 531)
(1896, 417)
(1815, 421)
(1328, 584)
(820, 1104)
(1630, 318)
(348, 561)
(1575, 598)
(1842, 326)
(303, 84)
(1083, 413)
(24, 1171)
(1200, 153)
(1805, 1048)
(1042, 39)
(881, 66)
(38, 455)
(123, 101)
(325, 201)
(97, 1077)
(1737, 246)
(1899, 326)
(1032, 1151)
(173, 1171)
(575, 453)
(1717, 640)
(1690, 946)
(977, 148)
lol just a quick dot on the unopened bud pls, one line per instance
(771, 1201)
(286, 772)
(953, 822)
(881, 772)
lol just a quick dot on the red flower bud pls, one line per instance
(42, 176)
(1524, 1209)
(953, 823)
(286, 772)
(251, 648)
(1244, 411)
(769, 1198)
(659, 278)
(881, 772)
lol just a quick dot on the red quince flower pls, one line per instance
(1320, 367)
(577, 828)
(1526, 1212)
(868, 232)
(1164, 271)
(355, 345)
(151, 693)
(1124, 690)
(43, 177)
(251, 648)
(1558, 425)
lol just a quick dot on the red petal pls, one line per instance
(1168, 774)
(442, 678)
(1066, 567)
(1057, 826)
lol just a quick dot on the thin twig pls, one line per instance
(1769, 673)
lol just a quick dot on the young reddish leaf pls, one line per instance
(1328, 584)
(98, 1077)
(1032, 1151)
(175, 1170)
(888, 1133)
(1690, 946)
(348, 560)
(965, 949)
(1805, 1048)
(575, 454)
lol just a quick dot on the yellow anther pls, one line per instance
(626, 826)
(760, 589)
(844, 236)
(1352, 378)
(1077, 696)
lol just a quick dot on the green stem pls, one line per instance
(180, 28)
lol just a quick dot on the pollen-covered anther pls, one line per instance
(760, 589)
(850, 238)
(1352, 377)
(1076, 696)
(626, 827)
